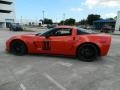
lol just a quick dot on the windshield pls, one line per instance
(44, 32)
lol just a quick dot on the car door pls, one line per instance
(42, 42)
(62, 41)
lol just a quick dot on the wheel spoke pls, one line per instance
(17, 48)
(87, 53)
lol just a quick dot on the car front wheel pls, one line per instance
(18, 48)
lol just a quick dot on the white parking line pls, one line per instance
(64, 64)
(22, 87)
(54, 81)
(51, 88)
(22, 71)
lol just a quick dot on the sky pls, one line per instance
(63, 9)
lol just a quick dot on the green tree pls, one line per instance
(110, 19)
(115, 18)
(83, 22)
(70, 21)
(62, 22)
(92, 17)
(47, 21)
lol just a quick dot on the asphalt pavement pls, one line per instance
(40, 72)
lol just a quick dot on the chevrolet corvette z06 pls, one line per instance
(62, 40)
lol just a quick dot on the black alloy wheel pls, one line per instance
(87, 52)
(18, 48)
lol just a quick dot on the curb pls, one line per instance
(115, 34)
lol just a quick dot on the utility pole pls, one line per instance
(64, 15)
(43, 12)
(21, 20)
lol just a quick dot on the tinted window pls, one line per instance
(5, 11)
(81, 31)
(5, 2)
(49, 32)
(58, 32)
(63, 32)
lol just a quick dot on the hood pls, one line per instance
(27, 35)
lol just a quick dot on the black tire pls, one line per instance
(87, 52)
(18, 48)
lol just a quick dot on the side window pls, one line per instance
(63, 32)
(80, 32)
(51, 32)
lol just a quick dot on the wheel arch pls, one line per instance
(14, 40)
(90, 43)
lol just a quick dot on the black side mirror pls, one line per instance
(58, 34)
(47, 36)
(38, 34)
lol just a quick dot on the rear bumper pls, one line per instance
(105, 44)
(105, 50)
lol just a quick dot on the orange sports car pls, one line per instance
(62, 40)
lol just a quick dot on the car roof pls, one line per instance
(71, 27)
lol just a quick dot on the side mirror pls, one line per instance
(38, 34)
(47, 36)
(58, 33)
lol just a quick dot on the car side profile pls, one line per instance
(62, 40)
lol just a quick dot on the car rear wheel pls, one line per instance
(18, 48)
(87, 52)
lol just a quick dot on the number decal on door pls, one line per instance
(46, 45)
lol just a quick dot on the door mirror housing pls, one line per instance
(47, 36)
(58, 34)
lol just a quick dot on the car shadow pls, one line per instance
(64, 57)
(54, 56)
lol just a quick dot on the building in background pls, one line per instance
(29, 22)
(99, 24)
(7, 13)
(117, 27)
